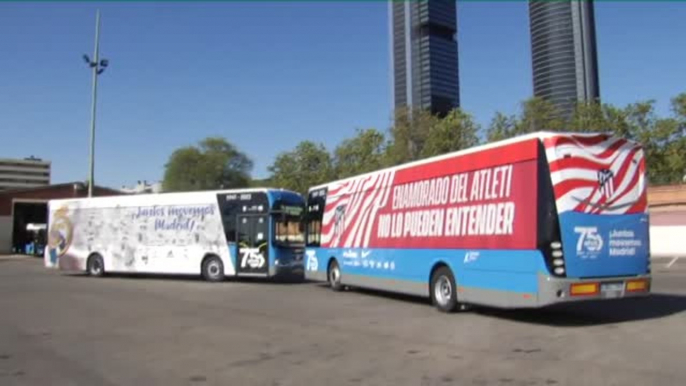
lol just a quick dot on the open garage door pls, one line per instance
(25, 213)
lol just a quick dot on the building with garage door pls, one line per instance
(21, 207)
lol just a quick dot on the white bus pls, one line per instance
(252, 232)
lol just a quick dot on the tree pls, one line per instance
(309, 164)
(360, 154)
(408, 135)
(588, 117)
(454, 132)
(677, 151)
(501, 127)
(213, 164)
(538, 115)
(664, 140)
(616, 120)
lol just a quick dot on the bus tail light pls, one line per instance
(640, 285)
(584, 289)
(557, 257)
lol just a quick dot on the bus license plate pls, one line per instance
(611, 290)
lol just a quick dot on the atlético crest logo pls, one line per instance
(606, 180)
(339, 221)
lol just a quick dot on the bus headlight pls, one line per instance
(558, 262)
(559, 270)
(556, 245)
(557, 254)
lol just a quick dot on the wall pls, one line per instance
(667, 220)
(668, 241)
(667, 195)
(5, 234)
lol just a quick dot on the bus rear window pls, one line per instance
(288, 230)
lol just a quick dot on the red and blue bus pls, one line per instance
(526, 222)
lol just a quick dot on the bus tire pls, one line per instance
(95, 266)
(334, 276)
(212, 269)
(443, 290)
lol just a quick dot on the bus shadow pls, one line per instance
(190, 278)
(384, 294)
(591, 313)
(595, 313)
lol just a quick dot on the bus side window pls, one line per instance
(314, 232)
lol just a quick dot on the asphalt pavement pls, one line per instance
(61, 329)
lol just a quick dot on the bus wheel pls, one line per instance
(213, 269)
(335, 276)
(95, 265)
(444, 290)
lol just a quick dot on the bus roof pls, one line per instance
(537, 135)
(200, 196)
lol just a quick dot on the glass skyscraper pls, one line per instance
(424, 55)
(564, 58)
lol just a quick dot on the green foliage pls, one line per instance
(408, 135)
(309, 164)
(455, 132)
(360, 154)
(588, 117)
(418, 134)
(213, 164)
(501, 127)
(536, 115)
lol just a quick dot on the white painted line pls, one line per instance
(672, 262)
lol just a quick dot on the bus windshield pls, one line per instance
(288, 230)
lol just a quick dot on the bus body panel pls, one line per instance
(499, 216)
(167, 233)
(488, 269)
(600, 192)
(484, 199)
(596, 246)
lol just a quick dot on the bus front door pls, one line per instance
(253, 242)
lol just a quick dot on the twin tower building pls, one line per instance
(425, 62)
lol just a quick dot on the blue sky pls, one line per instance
(268, 75)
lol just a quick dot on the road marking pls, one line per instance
(672, 262)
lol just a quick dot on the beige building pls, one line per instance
(23, 173)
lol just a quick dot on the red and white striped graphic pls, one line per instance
(596, 173)
(351, 207)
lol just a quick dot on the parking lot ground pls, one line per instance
(60, 329)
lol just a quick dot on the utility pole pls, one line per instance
(98, 66)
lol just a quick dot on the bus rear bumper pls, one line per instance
(554, 290)
(292, 269)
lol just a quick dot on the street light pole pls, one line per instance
(96, 52)
(98, 66)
